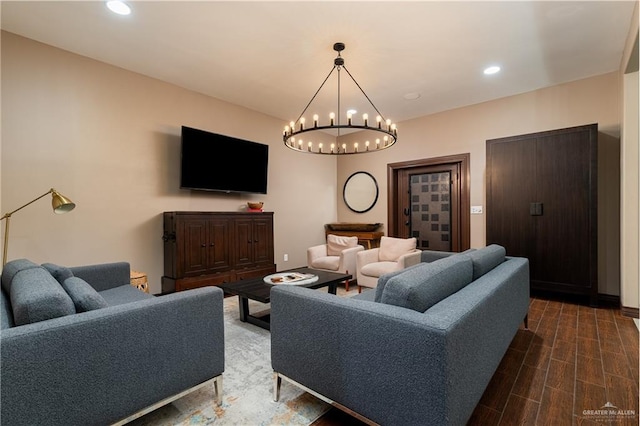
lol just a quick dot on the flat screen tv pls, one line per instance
(213, 162)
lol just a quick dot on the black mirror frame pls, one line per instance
(344, 192)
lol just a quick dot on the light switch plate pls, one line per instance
(476, 209)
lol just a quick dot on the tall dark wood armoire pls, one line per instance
(542, 205)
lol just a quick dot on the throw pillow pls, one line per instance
(37, 296)
(60, 273)
(486, 258)
(392, 248)
(85, 298)
(11, 269)
(422, 287)
(336, 243)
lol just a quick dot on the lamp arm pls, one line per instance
(8, 215)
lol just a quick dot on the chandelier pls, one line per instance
(374, 136)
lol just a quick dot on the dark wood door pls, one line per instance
(408, 203)
(541, 204)
(429, 204)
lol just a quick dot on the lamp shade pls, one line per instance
(60, 203)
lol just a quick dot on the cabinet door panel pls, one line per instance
(219, 253)
(262, 241)
(244, 242)
(195, 246)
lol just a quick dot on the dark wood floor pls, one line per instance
(573, 358)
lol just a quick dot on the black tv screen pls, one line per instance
(213, 162)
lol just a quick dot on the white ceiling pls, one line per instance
(272, 56)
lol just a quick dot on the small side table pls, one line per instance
(139, 280)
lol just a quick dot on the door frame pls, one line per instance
(463, 161)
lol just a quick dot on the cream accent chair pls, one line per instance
(338, 255)
(393, 254)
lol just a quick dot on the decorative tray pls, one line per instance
(359, 227)
(290, 278)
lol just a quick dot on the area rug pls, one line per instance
(247, 397)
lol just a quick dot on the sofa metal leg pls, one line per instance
(277, 381)
(217, 386)
(526, 322)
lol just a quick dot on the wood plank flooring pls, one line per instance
(572, 359)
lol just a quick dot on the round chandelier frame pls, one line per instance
(296, 135)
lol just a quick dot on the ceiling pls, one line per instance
(272, 56)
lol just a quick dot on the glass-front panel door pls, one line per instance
(430, 222)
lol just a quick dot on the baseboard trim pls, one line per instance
(608, 300)
(630, 312)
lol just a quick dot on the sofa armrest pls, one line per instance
(105, 275)
(362, 365)
(101, 366)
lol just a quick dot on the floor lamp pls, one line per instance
(60, 204)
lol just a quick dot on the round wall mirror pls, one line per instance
(360, 192)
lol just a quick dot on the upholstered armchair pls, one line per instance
(337, 255)
(393, 254)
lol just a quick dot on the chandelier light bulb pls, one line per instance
(315, 120)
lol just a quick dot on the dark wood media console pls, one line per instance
(212, 248)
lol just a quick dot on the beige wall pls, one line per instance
(109, 139)
(465, 130)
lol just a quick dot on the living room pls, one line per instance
(109, 138)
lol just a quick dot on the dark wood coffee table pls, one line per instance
(257, 289)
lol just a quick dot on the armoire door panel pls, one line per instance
(564, 228)
(511, 179)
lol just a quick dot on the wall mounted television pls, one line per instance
(213, 162)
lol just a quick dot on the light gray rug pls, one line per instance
(247, 397)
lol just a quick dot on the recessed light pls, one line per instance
(411, 96)
(119, 7)
(492, 70)
(351, 111)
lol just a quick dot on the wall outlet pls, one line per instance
(286, 257)
(476, 209)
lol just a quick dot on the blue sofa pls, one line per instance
(81, 346)
(420, 349)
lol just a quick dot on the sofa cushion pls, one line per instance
(60, 273)
(392, 248)
(337, 243)
(425, 285)
(486, 258)
(37, 296)
(85, 298)
(327, 262)
(11, 269)
(6, 316)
